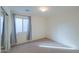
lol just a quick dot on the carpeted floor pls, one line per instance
(42, 46)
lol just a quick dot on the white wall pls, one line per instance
(38, 27)
(64, 28)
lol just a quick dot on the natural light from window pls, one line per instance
(49, 46)
(1, 24)
(21, 24)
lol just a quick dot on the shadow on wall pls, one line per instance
(65, 30)
(63, 34)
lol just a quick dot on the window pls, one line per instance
(18, 25)
(25, 25)
(1, 24)
(21, 24)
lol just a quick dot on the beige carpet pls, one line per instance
(42, 46)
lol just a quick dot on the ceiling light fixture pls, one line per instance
(43, 9)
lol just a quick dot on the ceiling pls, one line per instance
(52, 10)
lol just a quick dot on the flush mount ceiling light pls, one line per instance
(43, 9)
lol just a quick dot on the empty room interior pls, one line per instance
(39, 29)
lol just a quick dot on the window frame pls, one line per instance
(23, 18)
